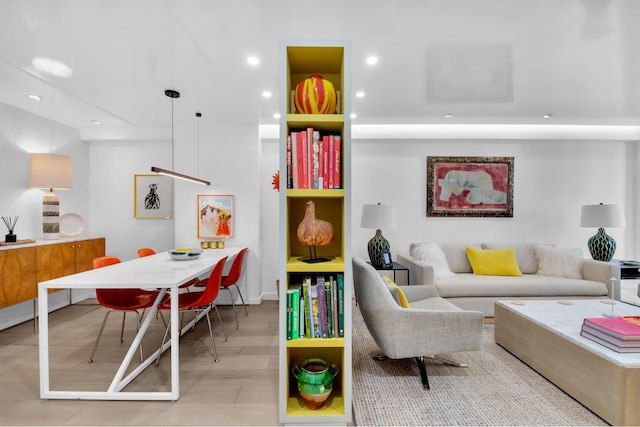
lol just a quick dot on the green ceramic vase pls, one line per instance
(315, 381)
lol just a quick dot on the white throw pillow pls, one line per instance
(559, 262)
(432, 254)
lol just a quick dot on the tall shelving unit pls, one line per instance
(298, 61)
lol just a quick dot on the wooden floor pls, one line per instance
(240, 389)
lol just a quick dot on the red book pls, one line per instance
(321, 173)
(309, 158)
(615, 326)
(304, 162)
(295, 160)
(332, 161)
(289, 165)
(326, 177)
(315, 159)
(337, 172)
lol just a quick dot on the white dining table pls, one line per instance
(157, 271)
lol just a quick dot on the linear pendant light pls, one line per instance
(173, 94)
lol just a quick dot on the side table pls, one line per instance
(628, 269)
(396, 267)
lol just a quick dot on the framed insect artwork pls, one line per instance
(153, 196)
(216, 216)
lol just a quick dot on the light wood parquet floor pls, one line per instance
(240, 389)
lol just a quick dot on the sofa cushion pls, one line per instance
(559, 262)
(527, 285)
(397, 293)
(525, 254)
(432, 254)
(493, 262)
(456, 254)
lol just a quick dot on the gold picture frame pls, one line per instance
(152, 196)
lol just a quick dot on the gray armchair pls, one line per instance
(431, 326)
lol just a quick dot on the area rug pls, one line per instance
(495, 389)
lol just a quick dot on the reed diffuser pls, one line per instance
(10, 222)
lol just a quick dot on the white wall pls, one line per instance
(113, 166)
(228, 156)
(22, 133)
(552, 180)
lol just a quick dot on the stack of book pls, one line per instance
(315, 307)
(621, 334)
(313, 160)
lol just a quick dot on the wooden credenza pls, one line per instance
(22, 268)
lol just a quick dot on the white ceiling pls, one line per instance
(484, 61)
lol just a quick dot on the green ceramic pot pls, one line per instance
(315, 381)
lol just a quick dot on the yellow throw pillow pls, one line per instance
(404, 302)
(494, 262)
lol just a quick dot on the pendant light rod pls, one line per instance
(198, 115)
(173, 94)
(179, 175)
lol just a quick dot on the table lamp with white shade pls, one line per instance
(378, 217)
(50, 171)
(602, 246)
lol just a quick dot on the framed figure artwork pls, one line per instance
(470, 186)
(215, 216)
(153, 196)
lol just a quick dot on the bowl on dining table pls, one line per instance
(185, 254)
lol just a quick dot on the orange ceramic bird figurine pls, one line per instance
(314, 232)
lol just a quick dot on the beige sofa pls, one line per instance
(548, 272)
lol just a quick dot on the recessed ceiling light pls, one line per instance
(353, 115)
(34, 97)
(448, 115)
(52, 66)
(276, 116)
(372, 60)
(547, 116)
(267, 94)
(360, 94)
(96, 122)
(253, 60)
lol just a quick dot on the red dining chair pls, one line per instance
(120, 300)
(143, 252)
(232, 280)
(197, 302)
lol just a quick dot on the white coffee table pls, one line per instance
(545, 334)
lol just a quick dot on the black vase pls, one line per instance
(10, 238)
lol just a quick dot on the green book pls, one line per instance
(289, 294)
(308, 324)
(340, 306)
(295, 312)
(329, 307)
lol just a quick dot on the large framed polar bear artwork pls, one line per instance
(470, 186)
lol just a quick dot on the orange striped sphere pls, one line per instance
(315, 95)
